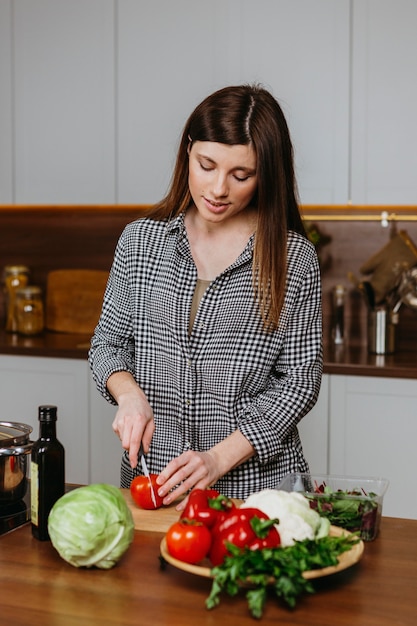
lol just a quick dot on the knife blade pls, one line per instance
(146, 473)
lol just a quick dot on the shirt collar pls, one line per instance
(176, 223)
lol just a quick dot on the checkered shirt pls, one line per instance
(229, 373)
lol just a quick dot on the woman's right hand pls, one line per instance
(134, 422)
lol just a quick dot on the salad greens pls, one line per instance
(278, 569)
(355, 510)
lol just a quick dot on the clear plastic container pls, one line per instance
(350, 502)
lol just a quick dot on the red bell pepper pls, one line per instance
(206, 506)
(244, 528)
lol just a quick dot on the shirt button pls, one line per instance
(187, 401)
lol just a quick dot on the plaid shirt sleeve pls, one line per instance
(229, 373)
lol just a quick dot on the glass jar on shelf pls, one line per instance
(15, 277)
(29, 310)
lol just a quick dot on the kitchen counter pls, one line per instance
(40, 589)
(356, 361)
(345, 359)
(49, 344)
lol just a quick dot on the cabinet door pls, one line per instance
(64, 101)
(6, 175)
(296, 48)
(300, 50)
(384, 102)
(27, 382)
(314, 432)
(373, 432)
(106, 450)
(170, 56)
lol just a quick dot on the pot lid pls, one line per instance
(14, 433)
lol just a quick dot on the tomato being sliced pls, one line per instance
(188, 541)
(140, 489)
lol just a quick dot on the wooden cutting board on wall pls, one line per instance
(74, 299)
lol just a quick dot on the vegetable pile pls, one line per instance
(91, 526)
(355, 510)
(266, 543)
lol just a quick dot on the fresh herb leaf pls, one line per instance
(279, 568)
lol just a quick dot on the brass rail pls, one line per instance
(364, 213)
(312, 212)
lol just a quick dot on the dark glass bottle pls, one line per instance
(47, 472)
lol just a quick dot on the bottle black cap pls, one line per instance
(47, 413)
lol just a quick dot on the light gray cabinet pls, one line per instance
(6, 113)
(384, 102)
(92, 450)
(63, 93)
(373, 432)
(314, 431)
(95, 93)
(101, 90)
(299, 50)
(28, 382)
(366, 426)
(105, 447)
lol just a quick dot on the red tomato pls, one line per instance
(188, 541)
(140, 489)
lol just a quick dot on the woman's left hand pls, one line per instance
(199, 470)
(190, 470)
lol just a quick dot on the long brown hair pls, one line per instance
(248, 114)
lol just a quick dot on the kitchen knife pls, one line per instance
(146, 473)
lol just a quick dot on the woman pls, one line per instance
(209, 339)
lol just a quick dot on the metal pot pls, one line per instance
(14, 448)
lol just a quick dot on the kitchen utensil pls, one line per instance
(399, 252)
(146, 473)
(381, 331)
(408, 288)
(14, 448)
(369, 294)
(338, 314)
(365, 288)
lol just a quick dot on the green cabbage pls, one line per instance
(91, 526)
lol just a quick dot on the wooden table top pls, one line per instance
(38, 588)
